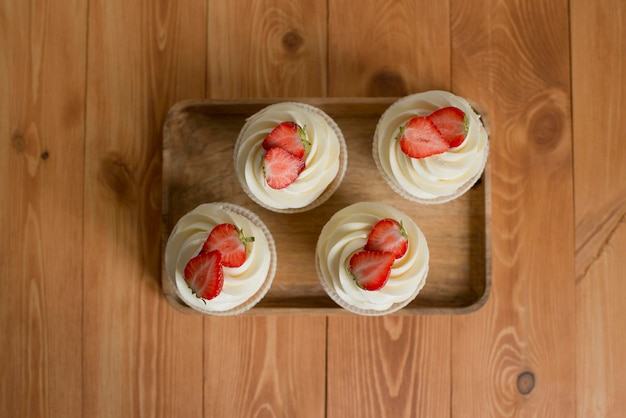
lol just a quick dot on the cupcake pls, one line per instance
(371, 258)
(290, 157)
(220, 258)
(430, 147)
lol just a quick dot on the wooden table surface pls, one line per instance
(85, 330)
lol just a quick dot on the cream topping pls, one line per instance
(443, 175)
(322, 163)
(345, 234)
(240, 283)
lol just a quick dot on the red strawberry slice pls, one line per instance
(230, 241)
(204, 275)
(451, 123)
(288, 136)
(388, 235)
(371, 269)
(420, 138)
(281, 168)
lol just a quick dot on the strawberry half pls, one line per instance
(371, 269)
(452, 124)
(230, 241)
(281, 168)
(420, 138)
(288, 136)
(204, 275)
(388, 235)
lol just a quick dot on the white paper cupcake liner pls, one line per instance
(327, 282)
(391, 180)
(329, 190)
(260, 293)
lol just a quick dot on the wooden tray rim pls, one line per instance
(178, 304)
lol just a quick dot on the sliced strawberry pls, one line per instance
(204, 275)
(281, 168)
(388, 235)
(230, 241)
(371, 269)
(451, 123)
(420, 138)
(288, 136)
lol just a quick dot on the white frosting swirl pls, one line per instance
(438, 178)
(326, 157)
(244, 285)
(346, 234)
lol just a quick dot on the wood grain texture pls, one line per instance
(385, 49)
(388, 48)
(598, 140)
(141, 357)
(280, 51)
(515, 356)
(84, 87)
(391, 366)
(276, 49)
(42, 96)
(272, 367)
(600, 332)
(598, 71)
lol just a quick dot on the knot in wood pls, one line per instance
(387, 83)
(117, 177)
(545, 128)
(18, 142)
(525, 383)
(292, 41)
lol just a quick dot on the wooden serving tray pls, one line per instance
(198, 141)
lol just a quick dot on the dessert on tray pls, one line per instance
(371, 258)
(290, 157)
(431, 147)
(220, 258)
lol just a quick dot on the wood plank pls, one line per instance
(388, 367)
(280, 53)
(277, 364)
(388, 49)
(278, 50)
(600, 336)
(516, 356)
(141, 356)
(393, 366)
(598, 68)
(42, 121)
